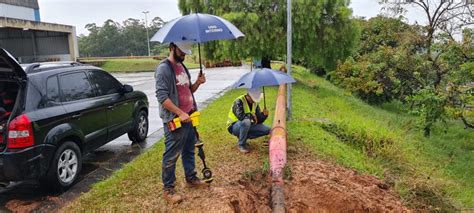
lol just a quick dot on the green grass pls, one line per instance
(435, 173)
(138, 186)
(137, 65)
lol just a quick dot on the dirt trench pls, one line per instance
(312, 186)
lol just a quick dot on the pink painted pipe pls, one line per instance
(277, 146)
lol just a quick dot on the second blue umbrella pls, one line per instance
(263, 77)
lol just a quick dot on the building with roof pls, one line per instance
(20, 9)
(29, 40)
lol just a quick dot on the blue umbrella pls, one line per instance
(197, 28)
(263, 77)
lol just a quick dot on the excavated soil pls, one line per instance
(237, 187)
(21, 206)
(314, 185)
(318, 185)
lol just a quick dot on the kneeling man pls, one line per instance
(246, 119)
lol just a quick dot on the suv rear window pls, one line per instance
(75, 87)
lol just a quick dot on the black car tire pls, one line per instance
(139, 130)
(65, 168)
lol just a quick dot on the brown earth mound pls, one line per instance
(317, 185)
(236, 188)
(21, 206)
(314, 185)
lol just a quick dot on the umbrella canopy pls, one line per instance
(263, 77)
(197, 28)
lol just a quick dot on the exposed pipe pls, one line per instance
(277, 146)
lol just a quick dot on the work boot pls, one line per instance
(244, 148)
(195, 182)
(170, 195)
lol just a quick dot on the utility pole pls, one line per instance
(146, 27)
(288, 57)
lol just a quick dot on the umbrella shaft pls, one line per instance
(264, 102)
(200, 64)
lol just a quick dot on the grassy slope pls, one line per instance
(336, 126)
(137, 65)
(439, 169)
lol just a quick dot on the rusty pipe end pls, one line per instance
(278, 198)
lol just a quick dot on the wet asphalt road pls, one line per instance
(30, 196)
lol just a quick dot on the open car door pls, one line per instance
(9, 67)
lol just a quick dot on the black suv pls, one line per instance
(52, 114)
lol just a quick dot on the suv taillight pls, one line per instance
(20, 133)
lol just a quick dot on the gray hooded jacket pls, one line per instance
(165, 84)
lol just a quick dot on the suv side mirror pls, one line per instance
(127, 88)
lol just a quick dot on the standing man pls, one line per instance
(246, 120)
(174, 92)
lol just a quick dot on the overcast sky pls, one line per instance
(81, 12)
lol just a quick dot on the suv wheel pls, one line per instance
(66, 166)
(140, 128)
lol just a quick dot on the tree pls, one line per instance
(115, 39)
(326, 36)
(382, 31)
(86, 43)
(111, 39)
(386, 65)
(156, 24)
(444, 92)
(449, 16)
(263, 28)
(102, 40)
(460, 84)
(442, 15)
(134, 33)
(323, 30)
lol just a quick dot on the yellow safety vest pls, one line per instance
(232, 118)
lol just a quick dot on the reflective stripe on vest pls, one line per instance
(232, 118)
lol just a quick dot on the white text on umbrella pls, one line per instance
(213, 29)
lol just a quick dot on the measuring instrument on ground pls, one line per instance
(176, 124)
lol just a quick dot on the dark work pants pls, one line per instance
(178, 142)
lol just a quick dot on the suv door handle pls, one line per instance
(76, 116)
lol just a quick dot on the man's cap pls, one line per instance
(185, 47)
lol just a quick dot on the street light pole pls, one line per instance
(288, 57)
(146, 27)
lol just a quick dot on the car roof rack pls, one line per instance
(31, 67)
(72, 63)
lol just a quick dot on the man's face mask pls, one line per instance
(178, 58)
(256, 95)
